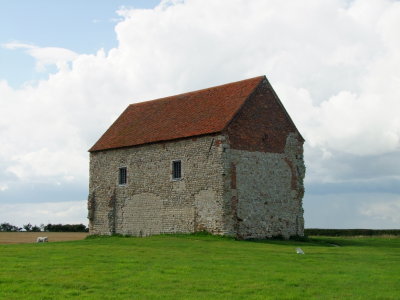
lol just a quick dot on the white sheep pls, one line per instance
(42, 239)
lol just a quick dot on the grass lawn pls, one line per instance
(202, 267)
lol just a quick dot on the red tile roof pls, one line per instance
(191, 114)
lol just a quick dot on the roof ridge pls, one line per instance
(196, 91)
(183, 115)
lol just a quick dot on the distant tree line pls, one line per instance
(49, 227)
(350, 232)
(9, 227)
(66, 228)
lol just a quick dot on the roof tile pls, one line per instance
(191, 114)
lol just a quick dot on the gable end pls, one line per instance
(262, 123)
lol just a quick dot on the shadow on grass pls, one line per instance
(320, 241)
(296, 241)
(360, 241)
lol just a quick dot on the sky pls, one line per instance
(69, 68)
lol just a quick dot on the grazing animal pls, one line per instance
(299, 251)
(41, 239)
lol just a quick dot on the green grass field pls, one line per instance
(201, 267)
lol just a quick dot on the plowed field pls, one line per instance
(30, 237)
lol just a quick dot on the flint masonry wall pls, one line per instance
(265, 169)
(246, 182)
(266, 191)
(151, 202)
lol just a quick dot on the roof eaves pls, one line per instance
(94, 146)
(156, 142)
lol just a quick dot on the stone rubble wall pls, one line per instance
(266, 191)
(241, 193)
(245, 182)
(151, 202)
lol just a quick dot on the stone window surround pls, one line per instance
(172, 170)
(119, 176)
(172, 175)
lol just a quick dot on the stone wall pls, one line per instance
(266, 191)
(151, 202)
(265, 169)
(247, 194)
(245, 182)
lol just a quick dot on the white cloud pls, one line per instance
(383, 211)
(335, 65)
(341, 76)
(49, 164)
(71, 212)
(45, 56)
(18, 45)
(339, 79)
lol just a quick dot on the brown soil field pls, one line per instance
(30, 237)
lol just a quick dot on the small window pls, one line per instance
(176, 169)
(122, 176)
